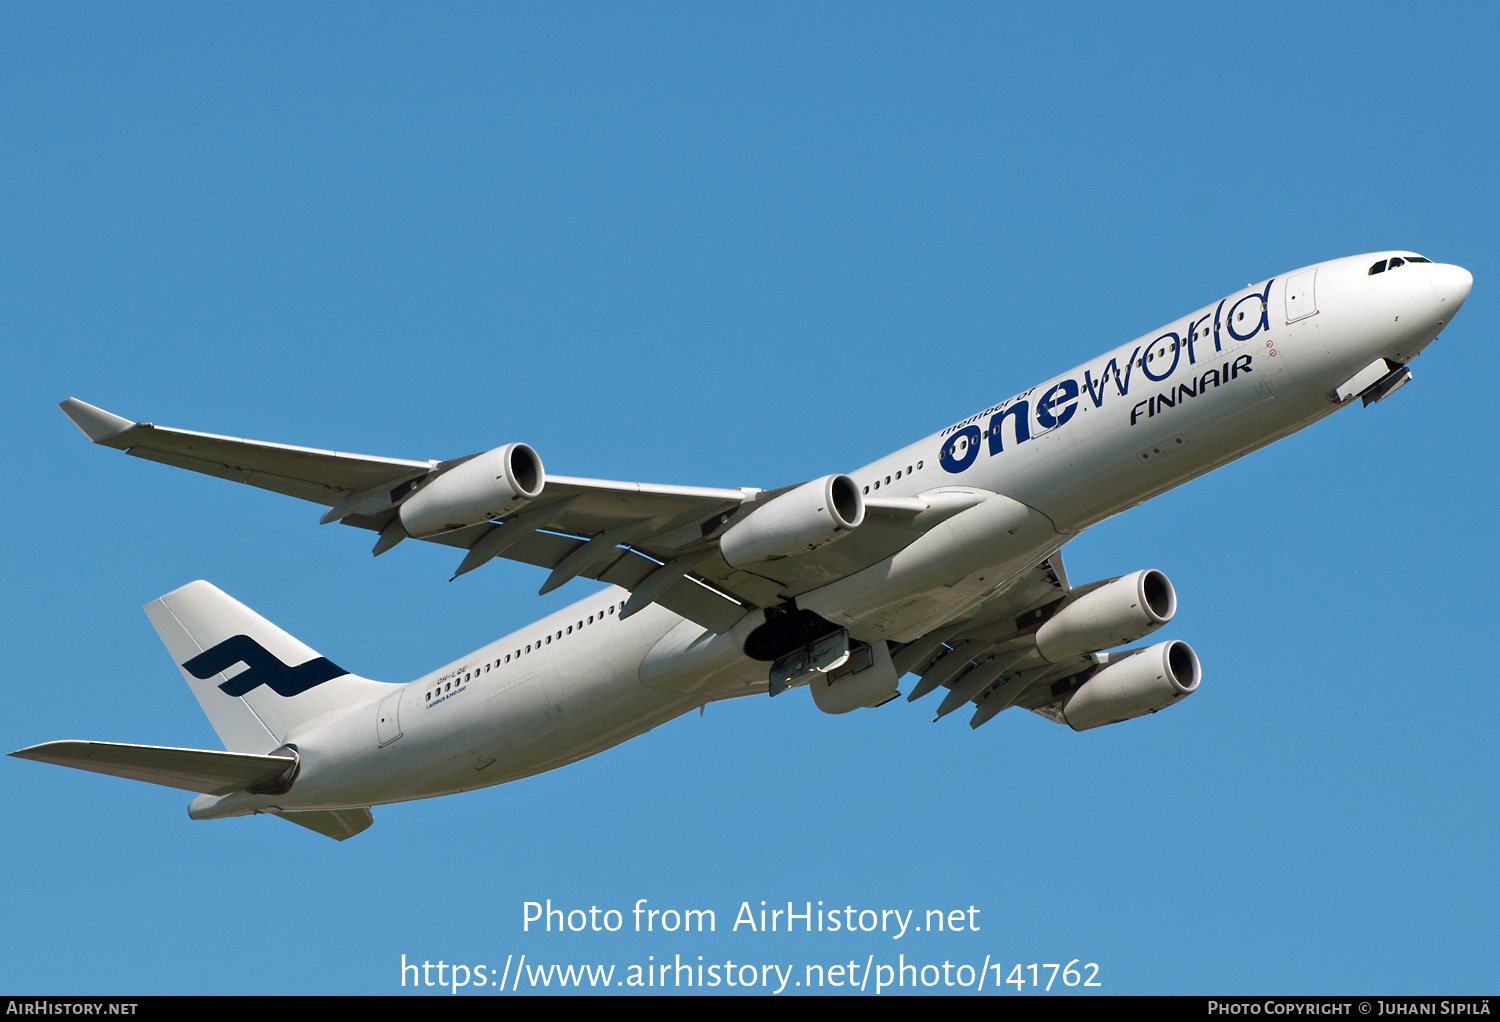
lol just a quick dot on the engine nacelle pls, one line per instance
(1143, 683)
(1112, 615)
(489, 485)
(812, 515)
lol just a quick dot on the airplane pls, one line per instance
(940, 560)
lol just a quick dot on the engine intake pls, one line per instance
(812, 515)
(489, 485)
(1123, 611)
(1143, 683)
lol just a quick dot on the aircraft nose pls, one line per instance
(1451, 285)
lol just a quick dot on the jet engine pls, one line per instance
(812, 515)
(1122, 611)
(488, 485)
(1142, 683)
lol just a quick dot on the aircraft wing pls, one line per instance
(324, 477)
(329, 477)
(990, 659)
(613, 519)
(658, 541)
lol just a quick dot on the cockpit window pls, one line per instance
(1396, 261)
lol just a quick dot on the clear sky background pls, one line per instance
(744, 244)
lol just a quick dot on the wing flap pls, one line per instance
(695, 601)
(318, 493)
(543, 549)
(989, 659)
(1002, 616)
(201, 770)
(628, 571)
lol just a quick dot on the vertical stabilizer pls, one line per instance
(258, 685)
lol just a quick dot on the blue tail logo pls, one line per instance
(264, 668)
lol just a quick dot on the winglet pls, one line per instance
(97, 424)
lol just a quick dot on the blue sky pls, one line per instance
(744, 244)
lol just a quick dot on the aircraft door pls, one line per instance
(1301, 295)
(388, 718)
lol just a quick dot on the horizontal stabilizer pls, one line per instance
(339, 824)
(202, 770)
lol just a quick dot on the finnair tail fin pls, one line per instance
(257, 684)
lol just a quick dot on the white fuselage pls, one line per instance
(1203, 390)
